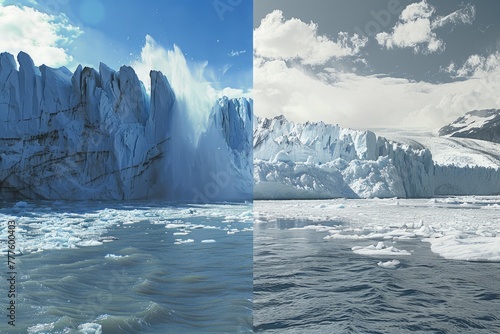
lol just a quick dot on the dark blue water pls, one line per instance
(192, 276)
(305, 284)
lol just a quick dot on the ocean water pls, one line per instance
(305, 281)
(137, 267)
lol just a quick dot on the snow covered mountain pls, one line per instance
(317, 160)
(476, 124)
(98, 135)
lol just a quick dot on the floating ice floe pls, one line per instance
(87, 243)
(455, 232)
(67, 225)
(181, 241)
(181, 233)
(114, 256)
(379, 249)
(474, 248)
(389, 264)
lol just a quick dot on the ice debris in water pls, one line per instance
(389, 264)
(379, 249)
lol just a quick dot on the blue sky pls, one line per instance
(64, 32)
(378, 63)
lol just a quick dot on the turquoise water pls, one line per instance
(131, 268)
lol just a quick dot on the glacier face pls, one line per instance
(98, 135)
(473, 180)
(317, 160)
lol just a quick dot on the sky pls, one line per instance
(378, 63)
(214, 36)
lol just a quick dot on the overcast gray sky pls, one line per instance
(377, 63)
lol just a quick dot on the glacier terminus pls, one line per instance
(98, 135)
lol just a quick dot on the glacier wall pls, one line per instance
(473, 180)
(98, 135)
(317, 160)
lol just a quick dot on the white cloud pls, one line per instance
(277, 38)
(225, 68)
(416, 26)
(234, 93)
(476, 66)
(464, 15)
(236, 53)
(357, 101)
(45, 37)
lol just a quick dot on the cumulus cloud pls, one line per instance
(234, 93)
(373, 101)
(277, 38)
(476, 66)
(45, 37)
(355, 101)
(416, 25)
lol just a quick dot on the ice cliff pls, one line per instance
(98, 135)
(317, 160)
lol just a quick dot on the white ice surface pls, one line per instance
(457, 228)
(460, 152)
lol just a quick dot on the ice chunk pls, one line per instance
(181, 241)
(379, 249)
(389, 264)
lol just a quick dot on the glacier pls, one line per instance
(320, 161)
(462, 165)
(98, 135)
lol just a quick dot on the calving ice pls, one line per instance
(103, 134)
